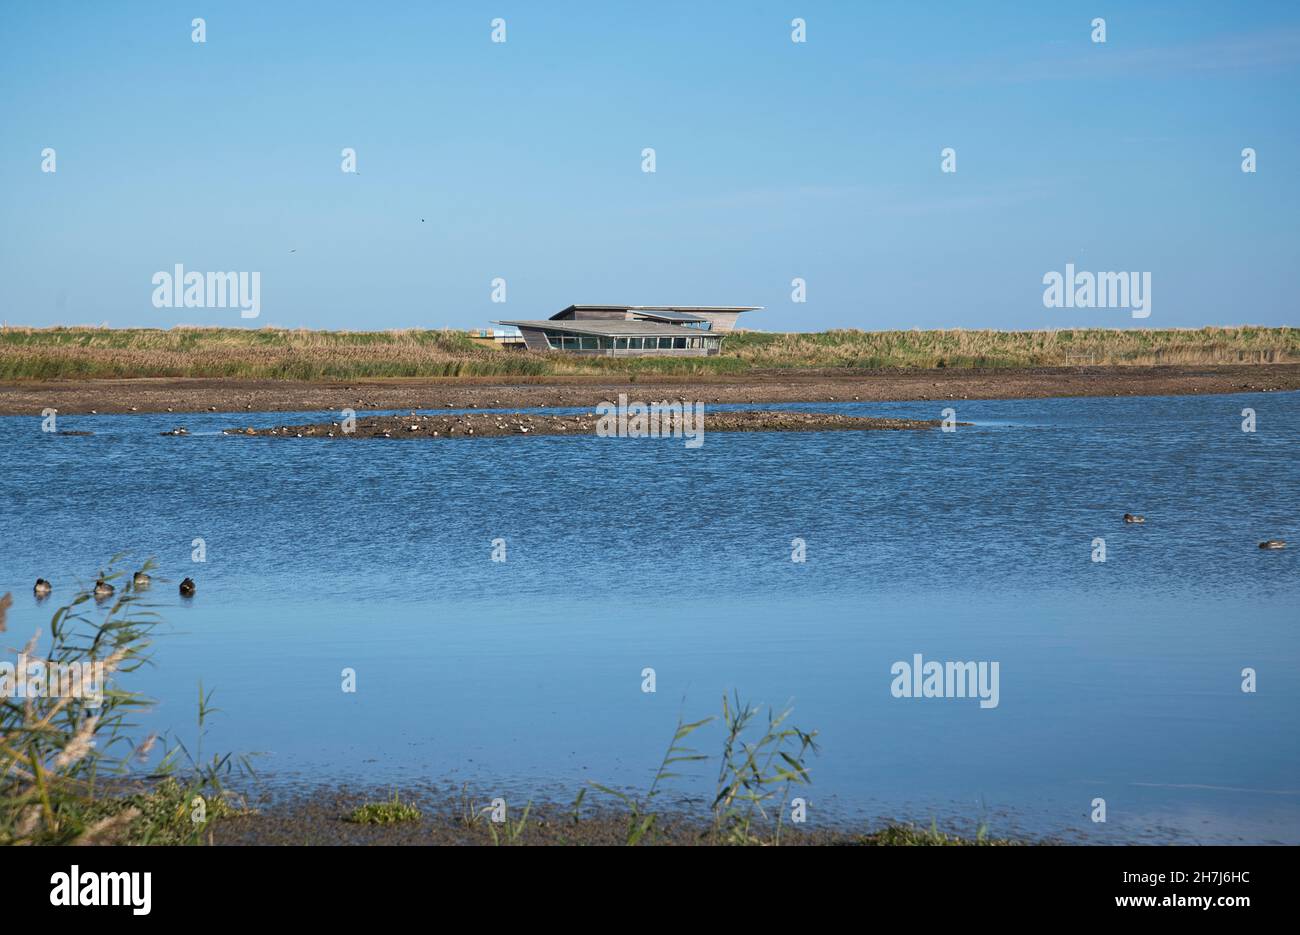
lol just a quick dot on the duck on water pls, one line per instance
(103, 590)
(1266, 544)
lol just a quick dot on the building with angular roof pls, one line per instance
(632, 330)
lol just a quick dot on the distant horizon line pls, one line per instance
(11, 326)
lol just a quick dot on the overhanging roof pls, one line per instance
(667, 316)
(683, 309)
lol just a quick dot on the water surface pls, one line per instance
(1119, 679)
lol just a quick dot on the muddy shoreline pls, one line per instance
(234, 395)
(449, 817)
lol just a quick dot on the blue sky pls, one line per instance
(774, 160)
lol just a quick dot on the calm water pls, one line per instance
(1119, 679)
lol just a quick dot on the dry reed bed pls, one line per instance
(281, 354)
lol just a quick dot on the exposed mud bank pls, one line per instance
(204, 395)
(675, 423)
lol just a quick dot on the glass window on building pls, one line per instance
(570, 343)
(634, 344)
(679, 343)
(588, 344)
(620, 344)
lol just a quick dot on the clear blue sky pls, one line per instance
(774, 159)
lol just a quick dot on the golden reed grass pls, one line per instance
(300, 354)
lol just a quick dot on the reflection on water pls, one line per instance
(1118, 679)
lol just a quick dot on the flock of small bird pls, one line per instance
(103, 590)
(1266, 544)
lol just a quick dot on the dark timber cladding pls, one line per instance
(630, 330)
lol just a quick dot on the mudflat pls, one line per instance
(167, 394)
(499, 424)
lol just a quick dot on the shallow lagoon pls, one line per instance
(1119, 679)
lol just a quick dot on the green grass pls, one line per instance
(302, 355)
(162, 815)
(912, 836)
(762, 760)
(384, 813)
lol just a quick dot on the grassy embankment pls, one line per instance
(278, 354)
